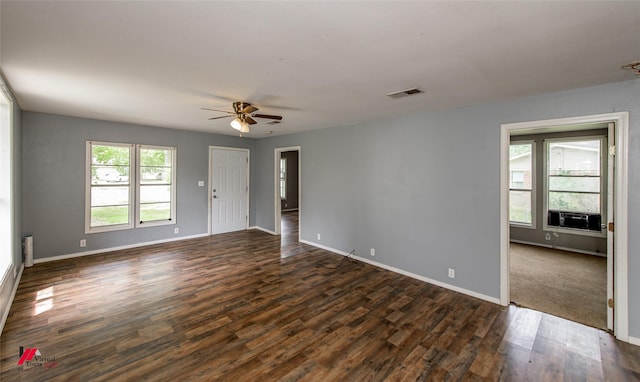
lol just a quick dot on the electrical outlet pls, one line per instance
(373, 252)
(547, 236)
(83, 243)
(201, 183)
(319, 237)
(176, 230)
(452, 273)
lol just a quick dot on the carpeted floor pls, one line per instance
(565, 284)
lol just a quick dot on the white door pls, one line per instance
(229, 190)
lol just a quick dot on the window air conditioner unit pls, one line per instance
(574, 220)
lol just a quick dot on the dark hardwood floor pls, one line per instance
(229, 307)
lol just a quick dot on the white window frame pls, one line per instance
(7, 212)
(88, 188)
(172, 218)
(134, 189)
(533, 223)
(603, 186)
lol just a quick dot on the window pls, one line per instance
(574, 181)
(123, 183)
(6, 183)
(110, 191)
(521, 195)
(283, 178)
(156, 184)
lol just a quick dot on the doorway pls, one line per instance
(617, 280)
(558, 200)
(228, 189)
(287, 174)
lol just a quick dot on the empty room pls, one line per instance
(319, 191)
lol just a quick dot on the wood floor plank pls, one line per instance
(250, 306)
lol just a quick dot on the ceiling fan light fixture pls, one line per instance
(634, 66)
(236, 124)
(240, 125)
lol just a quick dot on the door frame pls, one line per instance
(276, 200)
(210, 183)
(620, 276)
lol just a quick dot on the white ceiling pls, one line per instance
(318, 64)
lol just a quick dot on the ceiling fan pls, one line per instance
(244, 114)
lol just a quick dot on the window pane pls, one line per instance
(109, 196)
(155, 211)
(109, 174)
(520, 165)
(569, 183)
(149, 194)
(520, 207)
(521, 179)
(110, 155)
(574, 158)
(101, 216)
(151, 175)
(573, 202)
(155, 157)
(156, 178)
(283, 178)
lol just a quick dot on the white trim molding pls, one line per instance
(7, 308)
(621, 277)
(263, 230)
(406, 273)
(111, 249)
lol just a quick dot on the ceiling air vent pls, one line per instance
(404, 93)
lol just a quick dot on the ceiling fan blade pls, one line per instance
(249, 109)
(221, 111)
(224, 116)
(267, 116)
(250, 120)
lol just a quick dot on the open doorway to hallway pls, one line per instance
(287, 196)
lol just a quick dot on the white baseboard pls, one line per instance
(454, 288)
(111, 249)
(10, 302)
(634, 341)
(560, 248)
(337, 251)
(263, 229)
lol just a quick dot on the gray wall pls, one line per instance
(7, 285)
(423, 190)
(54, 160)
(594, 245)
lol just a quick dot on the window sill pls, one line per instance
(575, 231)
(521, 225)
